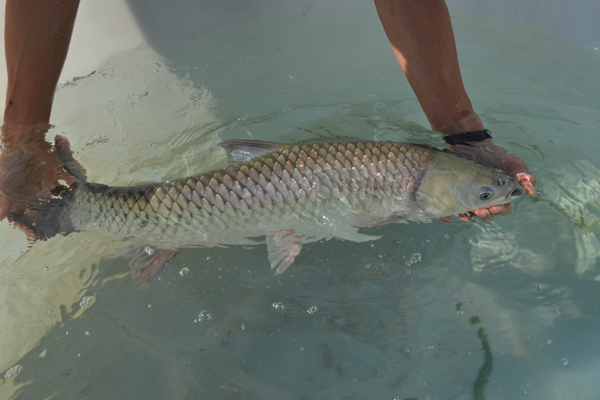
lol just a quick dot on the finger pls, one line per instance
(527, 181)
(501, 209)
(484, 214)
(506, 209)
(529, 188)
(526, 177)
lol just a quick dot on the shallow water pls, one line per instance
(390, 319)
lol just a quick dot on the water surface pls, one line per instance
(390, 319)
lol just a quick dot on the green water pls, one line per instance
(390, 319)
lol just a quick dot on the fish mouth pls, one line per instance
(513, 194)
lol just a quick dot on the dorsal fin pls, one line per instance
(239, 150)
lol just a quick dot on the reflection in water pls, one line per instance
(572, 238)
(388, 323)
(45, 283)
(575, 191)
(146, 112)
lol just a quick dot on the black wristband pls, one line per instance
(468, 137)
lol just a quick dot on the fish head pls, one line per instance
(454, 185)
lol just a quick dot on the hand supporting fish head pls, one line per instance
(454, 185)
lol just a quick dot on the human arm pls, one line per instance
(37, 36)
(421, 35)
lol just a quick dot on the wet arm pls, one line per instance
(37, 36)
(421, 35)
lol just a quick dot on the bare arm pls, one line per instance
(37, 36)
(422, 39)
(421, 35)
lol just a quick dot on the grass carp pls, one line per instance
(292, 194)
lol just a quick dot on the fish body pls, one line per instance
(292, 194)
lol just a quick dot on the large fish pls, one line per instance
(292, 194)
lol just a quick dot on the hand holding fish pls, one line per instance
(498, 157)
(429, 59)
(30, 172)
(37, 36)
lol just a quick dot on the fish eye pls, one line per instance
(485, 193)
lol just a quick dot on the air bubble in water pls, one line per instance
(204, 315)
(87, 301)
(13, 372)
(184, 271)
(277, 305)
(414, 259)
(149, 250)
(564, 362)
(312, 309)
(379, 105)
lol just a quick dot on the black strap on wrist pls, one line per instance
(468, 137)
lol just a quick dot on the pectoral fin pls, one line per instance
(282, 247)
(146, 262)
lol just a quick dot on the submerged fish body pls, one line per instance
(292, 194)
